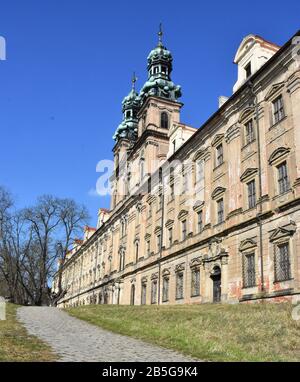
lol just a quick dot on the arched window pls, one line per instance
(164, 120)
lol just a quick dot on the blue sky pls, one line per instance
(69, 64)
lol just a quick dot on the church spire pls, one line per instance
(133, 81)
(130, 107)
(160, 35)
(159, 67)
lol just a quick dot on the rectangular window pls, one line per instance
(160, 201)
(179, 285)
(200, 170)
(165, 296)
(158, 240)
(154, 292)
(150, 211)
(248, 70)
(183, 226)
(174, 146)
(283, 180)
(249, 131)
(170, 236)
(220, 158)
(144, 294)
(199, 221)
(282, 263)
(249, 270)
(278, 109)
(148, 248)
(172, 190)
(251, 194)
(195, 287)
(220, 210)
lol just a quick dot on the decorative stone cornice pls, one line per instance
(279, 154)
(274, 91)
(180, 267)
(232, 133)
(217, 139)
(246, 114)
(182, 214)
(248, 173)
(166, 272)
(196, 262)
(154, 276)
(218, 191)
(283, 232)
(248, 244)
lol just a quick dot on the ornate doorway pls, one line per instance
(216, 279)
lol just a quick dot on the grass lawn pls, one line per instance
(17, 345)
(254, 332)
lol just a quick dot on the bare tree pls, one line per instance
(72, 219)
(32, 242)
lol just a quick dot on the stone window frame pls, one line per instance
(158, 236)
(170, 226)
(147, 245)
(195, 266)
(278, 157)
(218, 195)
(249, 175)
(136, 244)
(165, 281)
(216, 142)
(164, 123)
(246, 116)
(179, 275)
(144, 291)
(280, 236)
(154, 288)
(276, 91)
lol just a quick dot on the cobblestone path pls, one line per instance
(75, 340)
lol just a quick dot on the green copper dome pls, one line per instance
(130, 106)
(159, 81)
(160, 53)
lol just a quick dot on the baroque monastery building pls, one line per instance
(200, 215)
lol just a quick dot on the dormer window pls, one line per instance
(248, 70)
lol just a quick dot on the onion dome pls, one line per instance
(159, 81)
(128, 128)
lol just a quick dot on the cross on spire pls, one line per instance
(133, 80)
(160, 34)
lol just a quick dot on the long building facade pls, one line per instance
(200, 215)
